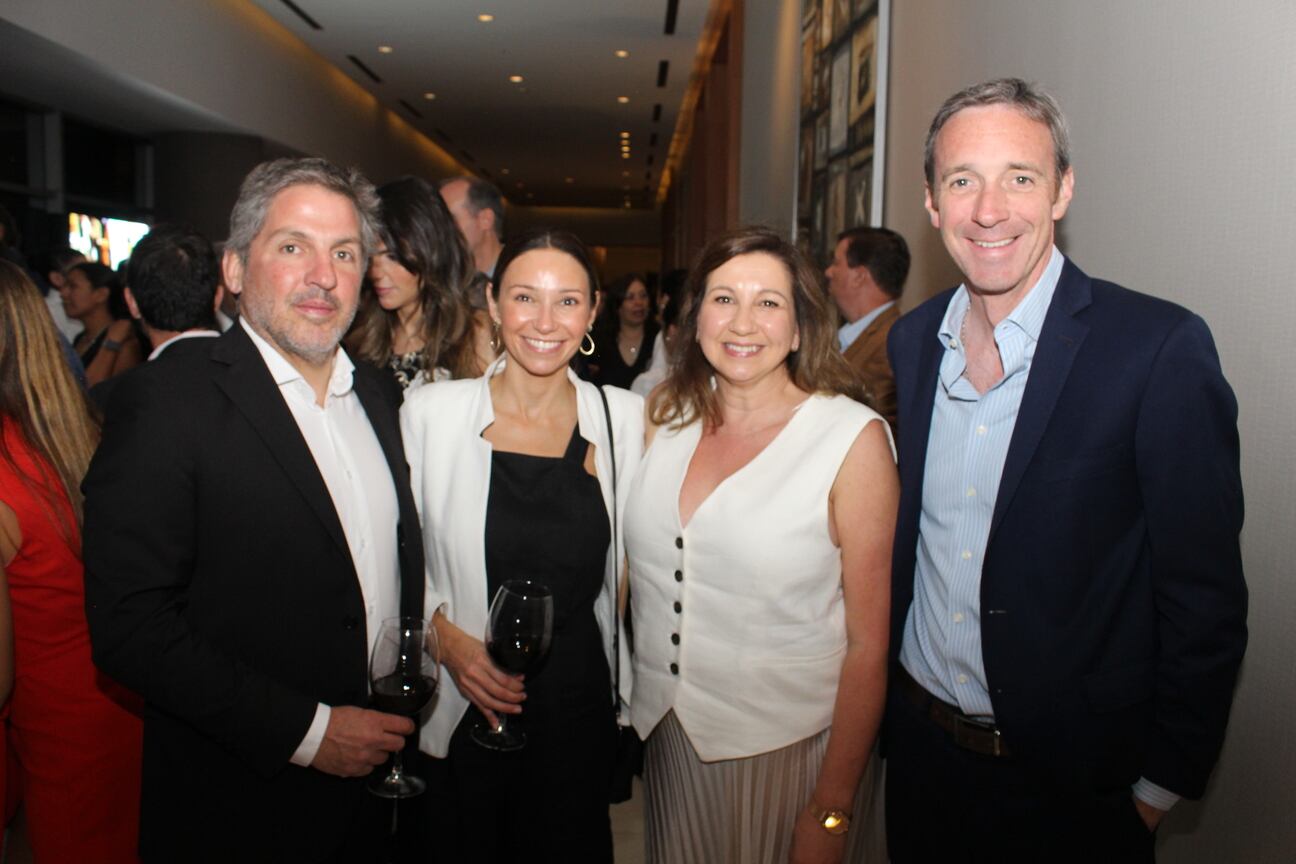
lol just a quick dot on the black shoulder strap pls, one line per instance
(616, 564)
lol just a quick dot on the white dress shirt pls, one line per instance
(350, 460)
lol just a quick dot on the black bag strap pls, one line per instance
(616, 564)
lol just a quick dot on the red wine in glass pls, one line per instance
(517, 638)
(403, 671)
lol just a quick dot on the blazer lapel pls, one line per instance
(1060, 339)
(248, 385)
(380, 414)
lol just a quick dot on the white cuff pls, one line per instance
(310, 745)
(1156, 796)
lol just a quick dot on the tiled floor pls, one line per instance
(628, 829)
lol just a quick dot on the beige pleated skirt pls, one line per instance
(743, 811)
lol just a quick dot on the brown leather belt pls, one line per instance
(967, 732)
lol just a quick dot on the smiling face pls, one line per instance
(634, 308)
(996, 198)
(301, 282)
(544, 309)
(746, 325)
(396, 288)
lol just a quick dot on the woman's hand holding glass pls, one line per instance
(492, 690)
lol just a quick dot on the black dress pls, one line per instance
(545, 520)
(612, 368)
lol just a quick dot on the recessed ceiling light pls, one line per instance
(622, 53)
(504, 171)
(485, 17)
(623, 99)
(625, 173)
(429, 95)
(569, 179)
(625, 155)
(625, 134)
(385, 49)
(516, 79)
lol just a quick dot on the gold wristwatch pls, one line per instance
(833, 821)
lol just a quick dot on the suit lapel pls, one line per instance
(380, 414)
(247, 383)
(1060, 340)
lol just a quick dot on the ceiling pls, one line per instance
(553, 139)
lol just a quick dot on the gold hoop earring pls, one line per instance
(495, 336)
(590, 339)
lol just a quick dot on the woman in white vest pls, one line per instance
(512, 474)
(759, 533)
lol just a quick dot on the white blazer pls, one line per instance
(450, 464)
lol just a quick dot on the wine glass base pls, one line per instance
(397, 786)
(501, 740)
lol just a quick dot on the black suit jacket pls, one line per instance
(220, 586)
(1113, 607)
(101, 393)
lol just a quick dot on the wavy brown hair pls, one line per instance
(39, 395)
(420, 233)
(817, 366)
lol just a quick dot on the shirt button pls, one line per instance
(971, 493)
(981, 430)
(962, 679)
(678, 607)
(679, 575)
(674, 667)
(674, 638)
(679, 542)
(953, 343)
(967, 555)
(958, 617)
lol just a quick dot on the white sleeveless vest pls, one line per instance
(739, 621)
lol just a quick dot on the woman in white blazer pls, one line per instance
(512, 474)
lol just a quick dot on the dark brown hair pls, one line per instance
(817, 366)
(419, 233)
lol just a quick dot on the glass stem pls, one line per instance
(397, 769)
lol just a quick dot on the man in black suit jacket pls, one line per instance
(172, 290)
(1069, 605)
(240, 547)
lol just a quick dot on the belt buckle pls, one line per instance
(971, 735)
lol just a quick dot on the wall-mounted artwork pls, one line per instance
(843, 119)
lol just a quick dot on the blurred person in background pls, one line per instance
(415, 318)
(109, 345)
(73, 737)
(625, 334)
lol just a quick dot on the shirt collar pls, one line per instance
(284, 373)
(187, 334)
(1027, 316)
(848, 333)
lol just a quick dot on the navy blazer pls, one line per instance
(1113, 606)
(220, 586)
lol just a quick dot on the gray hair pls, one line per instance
(1021, 95)
(268, 179)
(482, 195)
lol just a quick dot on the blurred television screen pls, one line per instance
(108, 241)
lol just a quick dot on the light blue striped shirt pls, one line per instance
(966, 449)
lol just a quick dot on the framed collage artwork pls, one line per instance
(843, 120)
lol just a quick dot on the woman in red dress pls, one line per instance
(72, 738)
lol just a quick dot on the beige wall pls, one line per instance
(1183, 115)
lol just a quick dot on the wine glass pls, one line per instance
(403, 678)
(517, 638)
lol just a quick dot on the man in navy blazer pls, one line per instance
(1069, 606)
